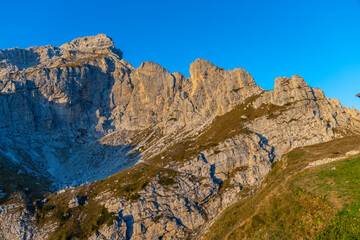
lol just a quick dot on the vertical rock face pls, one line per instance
(17, 59)
(215, 89)
(289, 90)
(79, 113)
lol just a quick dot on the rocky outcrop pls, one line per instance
(204, 186)
(79, 113)
(307, 117)
(18, 223)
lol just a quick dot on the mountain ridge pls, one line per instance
(158, 153)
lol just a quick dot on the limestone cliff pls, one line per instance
(79, 113)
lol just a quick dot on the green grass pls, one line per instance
(75, 223)
(340, 183)
(166, 181)
(104, 218)
(298, 203)
(292, 120)
(133, 197)
(157, 218)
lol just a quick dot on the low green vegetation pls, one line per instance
(340, 184)
(133, 197)
(77, 222)
(104, 218)
(157, 218)
(292, 120)
(166, 181)
(295, 202)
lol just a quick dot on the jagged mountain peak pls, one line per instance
(151, 66)
(294, 82)
(85, 48)
(202, 67)
(288, 90)
(202, 62)
(98, 41)
(205, 66)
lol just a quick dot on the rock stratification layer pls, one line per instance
(79, 113)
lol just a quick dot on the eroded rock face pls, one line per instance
(79, 113)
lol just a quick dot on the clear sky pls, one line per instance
(316, 39)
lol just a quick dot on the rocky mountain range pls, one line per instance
(93, 148)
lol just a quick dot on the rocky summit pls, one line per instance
(93, 148)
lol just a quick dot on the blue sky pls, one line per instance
(318, 40)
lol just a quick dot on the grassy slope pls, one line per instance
(321, 202)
